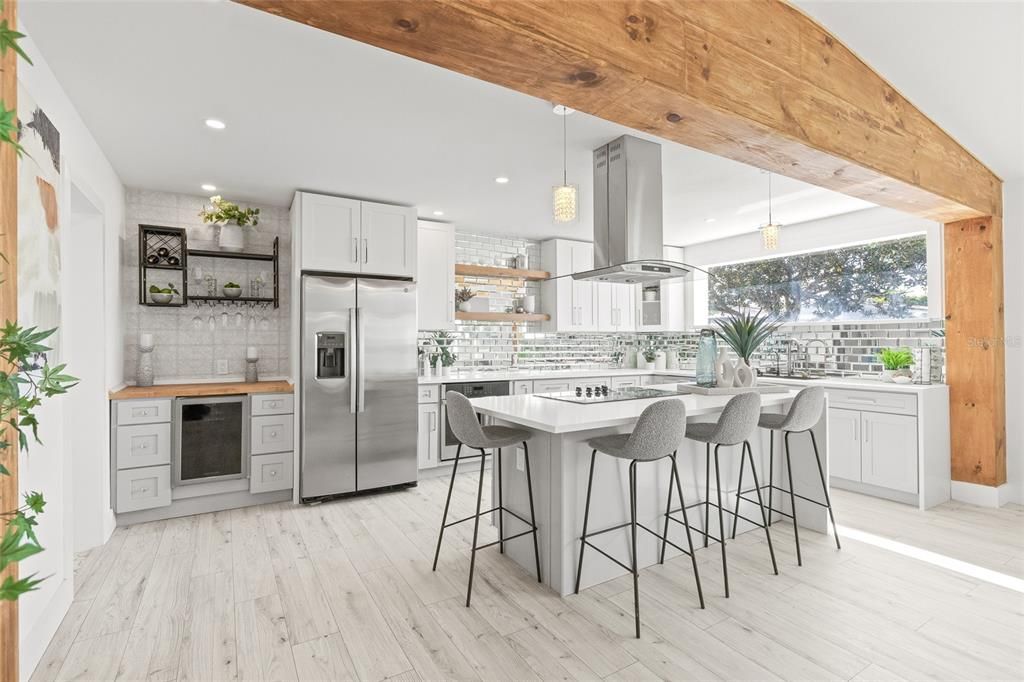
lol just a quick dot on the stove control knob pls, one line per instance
(590, 392)
(579, 391)
(604, 390)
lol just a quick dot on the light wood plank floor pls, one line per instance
(344, 590)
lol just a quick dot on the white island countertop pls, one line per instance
(558, 416)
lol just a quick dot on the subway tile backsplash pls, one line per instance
(852, 347)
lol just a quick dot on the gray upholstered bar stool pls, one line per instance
(470, 433)
(734, 426)
(657, 435)
(804, 412)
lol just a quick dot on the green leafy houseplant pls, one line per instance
(444, 341)
(744, 332)
(25, 381)
(224, 211)
(650, 354)
(896, 358)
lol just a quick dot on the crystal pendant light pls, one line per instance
(770, 230)
(564, 196)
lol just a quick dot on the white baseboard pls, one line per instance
(34, 643)
(983, 495)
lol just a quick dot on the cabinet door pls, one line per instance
(650, 314)
(625, 307)
(522, 387)
(889, 451)
(428, 437)
(584, 296)
(330, 233)
(435, 276)
(606, 318)
(844, 435)
(388, 245)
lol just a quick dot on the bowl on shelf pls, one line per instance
(162, 299)
(232, 292)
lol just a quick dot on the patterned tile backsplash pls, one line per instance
(190, 341)
(851, 347)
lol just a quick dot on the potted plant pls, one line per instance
(444, 340)
(462, 298)
(231, 218)
(162, 295)
(744, 332)
(232, 290)
(650, 357)
(896, 363)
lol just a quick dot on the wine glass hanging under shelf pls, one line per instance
(252, 302)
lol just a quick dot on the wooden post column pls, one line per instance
(9, 311)
(975, 350)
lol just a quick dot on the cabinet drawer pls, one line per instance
(143, 411)
(429, 393)
(143, 488)
(551, 386)
(271, 403)
(271, 472)
(143, 445)
(271, 434)
(873, 401)
(522, 387)
(624, 382)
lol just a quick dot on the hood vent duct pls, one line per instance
(628, 233)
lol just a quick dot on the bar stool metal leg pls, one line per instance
(721, 522)
(760, 504)
(707, 492)
(476, 527)
(533, 517)
(586, 518)
(686, 525)
(771, 472)
(632, 524)
(447, 502)
(739, 489)
(501, 508)
(792, 501)
(668, 511)
(824, 489)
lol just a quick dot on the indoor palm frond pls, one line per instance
(744, 332)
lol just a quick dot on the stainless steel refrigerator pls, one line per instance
(358, 385)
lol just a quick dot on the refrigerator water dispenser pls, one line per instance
(330, 355)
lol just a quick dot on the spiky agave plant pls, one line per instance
(744, 332)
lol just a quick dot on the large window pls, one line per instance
(881, 280)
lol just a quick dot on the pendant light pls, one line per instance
(564, 196)
(770, 230)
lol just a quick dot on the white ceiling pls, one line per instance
(307, 109)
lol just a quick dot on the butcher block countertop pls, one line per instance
(200, 389)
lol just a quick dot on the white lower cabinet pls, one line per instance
(143, 488)
(270, 472)
(272, 433)
(143, 445)
(428, 435)
(876, 448)
(522, 387)
(551, 385)
(624, 382)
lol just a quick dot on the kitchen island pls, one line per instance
(560, 461)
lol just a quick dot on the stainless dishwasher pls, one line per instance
(476, 389)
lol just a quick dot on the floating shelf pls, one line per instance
(469, 270)
(502, 317)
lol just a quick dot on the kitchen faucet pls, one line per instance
(825, 346)
(790, 342)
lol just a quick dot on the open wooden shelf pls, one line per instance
(470, 270)
(501, 317)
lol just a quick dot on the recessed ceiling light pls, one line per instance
(438, 212)
(501, 180)
(709, 220)
(216, 124)
(208, 188)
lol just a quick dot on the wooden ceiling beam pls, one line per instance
(756, 81)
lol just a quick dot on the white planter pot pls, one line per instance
(647, 365)
(660, 360)
(446, 371)
(231, 238)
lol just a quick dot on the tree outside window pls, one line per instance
(881, 280)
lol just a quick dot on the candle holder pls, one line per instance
(144, 375)
(251, 373)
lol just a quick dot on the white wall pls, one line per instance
(48, 468)
(1013, 257)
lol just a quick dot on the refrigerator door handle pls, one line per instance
(361, 358)
(352, 313)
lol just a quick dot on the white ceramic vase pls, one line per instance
(446, 371)
(744, 375)
(722, 365)
(231, 237)
(660, 360)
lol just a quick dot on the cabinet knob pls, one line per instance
(144, 446)
(273, 434)
(273, 473)
(143, 490)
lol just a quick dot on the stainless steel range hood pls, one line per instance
(628, 235)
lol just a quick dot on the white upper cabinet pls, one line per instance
(572, 305)
(330, 232)
(388, 240)
(435, 283)
(337, 234)
(615, 307)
